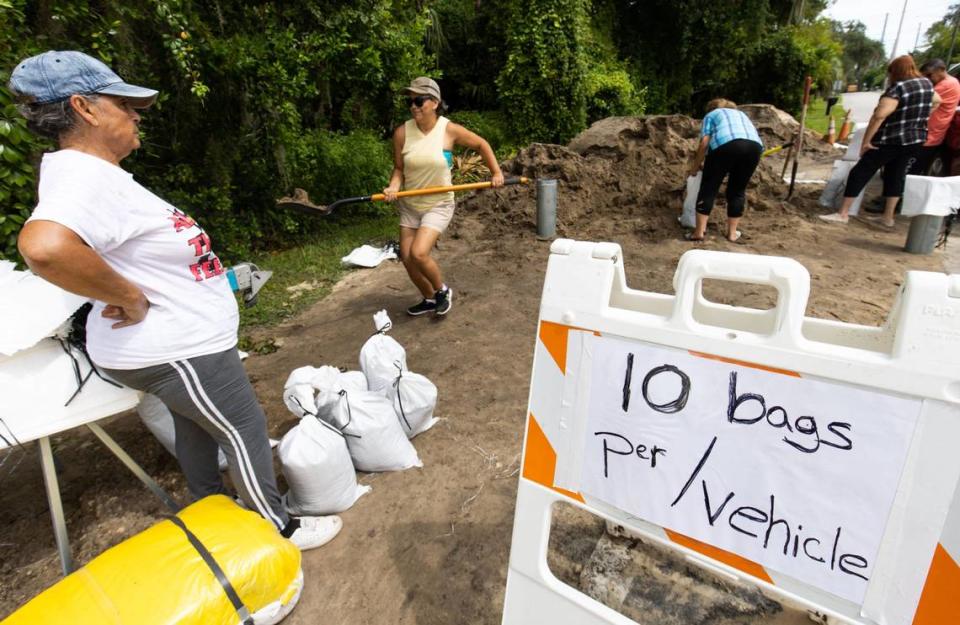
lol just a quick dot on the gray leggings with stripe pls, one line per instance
(213, 404)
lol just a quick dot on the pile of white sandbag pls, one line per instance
(353, 420)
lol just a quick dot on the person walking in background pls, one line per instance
(892, 140)
(948, 88)
(729, 145)
(164, 320)
(423, 157)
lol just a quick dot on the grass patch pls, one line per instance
(304, 274)
(817, 118)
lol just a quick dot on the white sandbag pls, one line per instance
(374, 436)
(381, 355)
(299, 399)
(156, 416)
(832, 195)
(327, 382)
(856, 140)
(414, 398)
(298, 392)
(316, 462)
(353, 381)
(369, 256)
(688, 219)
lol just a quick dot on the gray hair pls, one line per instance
(52, 120)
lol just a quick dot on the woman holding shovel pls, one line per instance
(423, 157)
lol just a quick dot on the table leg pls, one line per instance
(135, 468)
(56, 506)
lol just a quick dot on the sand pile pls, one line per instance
(777, 127)
(634, 167)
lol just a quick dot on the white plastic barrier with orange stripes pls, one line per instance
(883, 460)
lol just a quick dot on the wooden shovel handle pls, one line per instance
(379, 197)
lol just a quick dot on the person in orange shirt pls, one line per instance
(949, 89)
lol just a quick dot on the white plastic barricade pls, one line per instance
(813, 458)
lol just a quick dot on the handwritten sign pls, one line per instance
(794, 473)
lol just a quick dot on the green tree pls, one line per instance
(542, 82)
(940, 37)
(860, 53)
(256, 97)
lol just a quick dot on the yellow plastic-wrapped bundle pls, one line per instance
(158, 578)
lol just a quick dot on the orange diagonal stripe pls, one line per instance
(540, 460)
(744, 363)
(730, 559)
(938, 603)
(554, 338)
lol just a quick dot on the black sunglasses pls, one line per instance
(419, 100)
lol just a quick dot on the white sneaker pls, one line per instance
(316, 531)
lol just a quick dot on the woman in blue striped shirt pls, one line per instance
(729, 144)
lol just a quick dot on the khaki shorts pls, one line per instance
(437, 218)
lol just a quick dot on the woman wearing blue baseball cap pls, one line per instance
(164, 319)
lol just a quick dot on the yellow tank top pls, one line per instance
(424, 164)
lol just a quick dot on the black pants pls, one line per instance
(923, 159)
(895, 160)
(739, 158)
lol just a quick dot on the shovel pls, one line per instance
(301, 201)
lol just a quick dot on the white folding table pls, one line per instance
(39, 398)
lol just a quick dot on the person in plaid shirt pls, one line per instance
(734, 148)
(893, 139)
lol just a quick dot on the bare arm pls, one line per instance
(462, 136)
(697, 163)
(59, 256)
(396, 176)
(884, 109)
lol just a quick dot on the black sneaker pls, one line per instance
(422, 308)
(444, 301)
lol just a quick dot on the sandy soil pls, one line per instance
(430, 546)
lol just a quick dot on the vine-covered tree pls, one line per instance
(860, 53)
(542, 83)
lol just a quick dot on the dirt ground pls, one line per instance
(430, 546)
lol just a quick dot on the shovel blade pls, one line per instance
(300, 202)
(306, 208)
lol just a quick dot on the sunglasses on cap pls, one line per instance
(418, 100)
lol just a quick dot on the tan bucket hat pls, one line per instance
(423, 86)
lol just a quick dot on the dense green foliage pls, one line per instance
(260, 97)
(940, 37)
(257, 97)
(542, 83)
(16, 175)
(806, 49)
(860, 53)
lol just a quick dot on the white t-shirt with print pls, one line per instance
(153, 245)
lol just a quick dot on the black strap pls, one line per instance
(383, 330)
(245, 617)
(344, 396)
(317, 417)
(81, 379)
(396, 385)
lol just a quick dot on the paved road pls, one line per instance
(862, 104)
